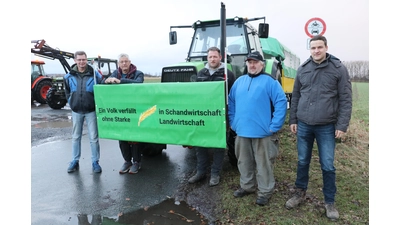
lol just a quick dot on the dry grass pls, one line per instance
(152, 79)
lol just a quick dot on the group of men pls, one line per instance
(320, 111)
(79, 91)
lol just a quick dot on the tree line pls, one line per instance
(358, 70)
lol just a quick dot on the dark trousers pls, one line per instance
(130, 151)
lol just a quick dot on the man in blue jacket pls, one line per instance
(79, 84)
(257, 110)
(320, 110)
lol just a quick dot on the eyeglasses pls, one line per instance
(122, 62)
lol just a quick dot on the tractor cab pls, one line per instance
(40, 82)
(239, 37)
(106, 66)
(37, 69)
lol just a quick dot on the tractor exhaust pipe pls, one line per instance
(223, 31)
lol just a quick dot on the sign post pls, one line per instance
(315, 26)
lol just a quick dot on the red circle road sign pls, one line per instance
(315, 26)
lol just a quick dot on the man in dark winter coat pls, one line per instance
(320, 110)
(214, 70)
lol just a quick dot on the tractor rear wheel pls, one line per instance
(55, 101)
(40, 91)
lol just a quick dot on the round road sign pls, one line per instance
(315, 26)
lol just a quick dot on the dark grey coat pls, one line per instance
(322, 94)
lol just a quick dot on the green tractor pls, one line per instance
(236, 38)
(240, 38)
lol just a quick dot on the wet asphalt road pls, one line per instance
(158, 194)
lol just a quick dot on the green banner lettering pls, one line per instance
(191, 113)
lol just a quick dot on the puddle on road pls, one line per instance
(167, 212)
(53, 124)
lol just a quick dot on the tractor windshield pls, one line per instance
(206, 37)
(37, 69)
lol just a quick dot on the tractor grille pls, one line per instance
(58, 83)
(179, 74)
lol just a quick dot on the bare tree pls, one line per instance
(358, 70)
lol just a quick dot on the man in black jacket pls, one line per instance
(214, 70)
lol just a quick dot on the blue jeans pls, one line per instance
(77, 127)
(203, 160)
(325, 137)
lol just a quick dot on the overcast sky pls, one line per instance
(140, 28)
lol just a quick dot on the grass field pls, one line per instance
(148, 79)
(352, 172)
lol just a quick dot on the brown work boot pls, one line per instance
(299, 197)
(331, 211)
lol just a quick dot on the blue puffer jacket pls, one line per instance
(79, 89)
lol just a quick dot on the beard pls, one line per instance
(255, 72)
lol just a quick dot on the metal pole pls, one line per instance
(94, 69)
(226, 76)
(223, 30)
(223, 47)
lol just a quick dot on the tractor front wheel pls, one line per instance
(55, 101)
